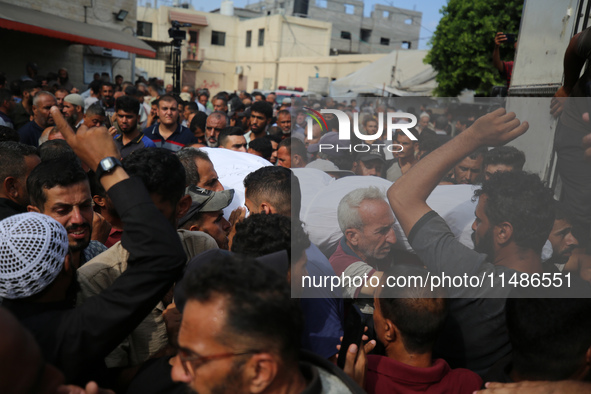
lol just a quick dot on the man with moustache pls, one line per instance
(59, 188)
(73, 110)
(215, 124)
(127, 115)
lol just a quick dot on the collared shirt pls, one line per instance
(30, 133)
(5, 120)
(386, 375)
(180, 138)
(141, 141)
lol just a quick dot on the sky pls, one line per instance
(429, 8)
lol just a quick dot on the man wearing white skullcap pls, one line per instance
(38, 281)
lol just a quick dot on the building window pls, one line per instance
(365, 35)
(321, 3)
(261, 37)
(349, 9)
(218, 38)
(345, 35)
(384, 41)
(248, 38)
(144, 29)
(406, 44)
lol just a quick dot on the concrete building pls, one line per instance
(227, 52)
(388, 28)
(79, 35)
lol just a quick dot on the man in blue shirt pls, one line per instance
(127, 110)
(168, 133)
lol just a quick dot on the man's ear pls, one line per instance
(260, 372)
(31, 208)
(296, 160)
(502, 233)
(352, 236)
(183, 206)
(194, 227)
(267, 208)
(98, 200)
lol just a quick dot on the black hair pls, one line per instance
(57, 149)
(132, 91)
(524, 201)
(51, 173)
(429, 143)
(561, 213)
(169, 98)
(295, 146)
(5, 95)
(187, 156)
(106, 83)
(160, 170)
(263, 234)
(228, 131)
(277, 185)
(95, 109)
(262, 107)
(263, 146)
(507, 155)
(260, 312)
(480, 152)
(28, 86)
(128, 104)
(222, 97)
(192, 107)
(549, 336)
(256, 94)
(418, 311)
(95, 86)
(333, 124)
(198, 121)
(8, 134)
(274, 137)
(12, 159)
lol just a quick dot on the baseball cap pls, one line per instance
(33, 247)
(206, 201)
(375, 152)
(286, 100)
(75, 99)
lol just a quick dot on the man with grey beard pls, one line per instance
(216, 122)
(73, 110)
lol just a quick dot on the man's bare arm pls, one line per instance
(408, 195)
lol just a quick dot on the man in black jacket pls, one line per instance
(76, 340)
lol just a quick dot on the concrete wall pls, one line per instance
(50, 54)
(395, 24)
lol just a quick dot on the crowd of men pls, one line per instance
(120, 269)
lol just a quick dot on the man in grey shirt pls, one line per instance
(514, 217)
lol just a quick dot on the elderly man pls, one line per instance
(30, 132)
(367, 223)
(215, 124)
(73, 110)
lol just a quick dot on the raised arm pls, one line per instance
(496, 56)
(408, 195)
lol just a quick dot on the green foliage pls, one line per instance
(463, 43)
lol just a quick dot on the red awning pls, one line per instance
(186, 17)
(36, 22)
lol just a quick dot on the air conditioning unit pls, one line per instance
(239, 70)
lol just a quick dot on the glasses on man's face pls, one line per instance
(191, 361)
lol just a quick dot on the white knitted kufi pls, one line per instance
(32, 251)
